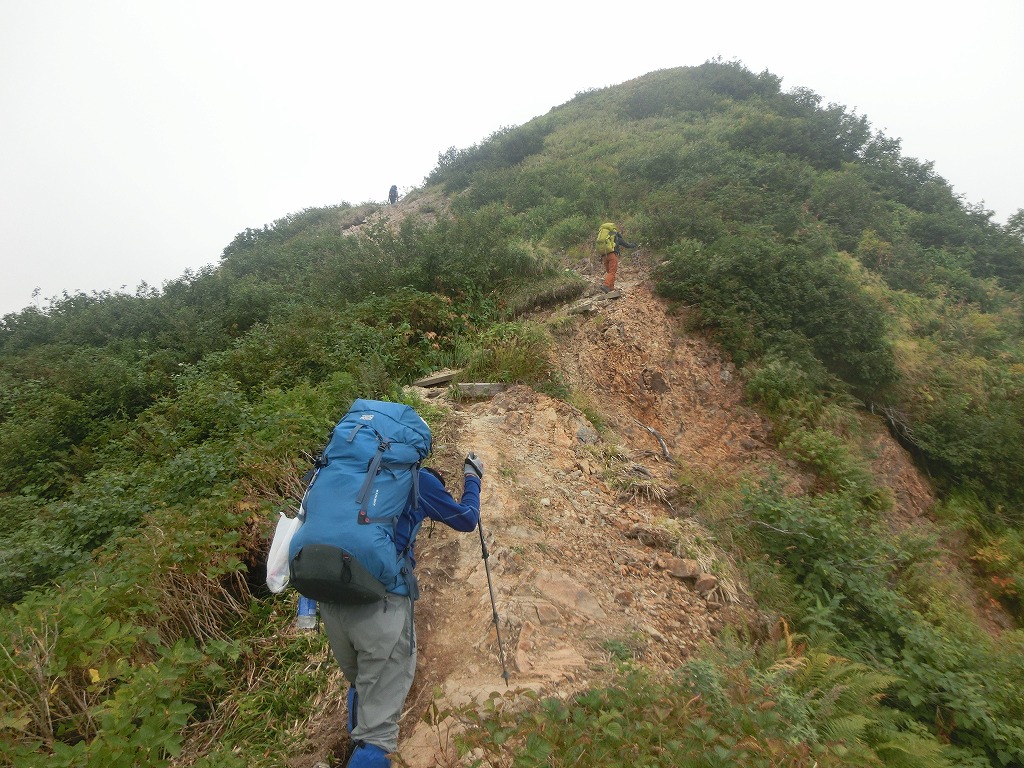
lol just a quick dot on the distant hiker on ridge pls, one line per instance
(393, 194)
(608, 242)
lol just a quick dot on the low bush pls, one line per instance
(513, 352)
(783, 705)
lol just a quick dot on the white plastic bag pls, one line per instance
(277, 560)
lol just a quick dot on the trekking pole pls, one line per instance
(494, 606)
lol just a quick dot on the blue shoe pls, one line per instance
(369, 756)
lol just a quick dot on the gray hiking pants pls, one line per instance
(374, 647)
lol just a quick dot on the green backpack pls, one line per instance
(606, 239)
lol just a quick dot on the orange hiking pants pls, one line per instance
(611, 266)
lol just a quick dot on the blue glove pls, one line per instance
(473, 466)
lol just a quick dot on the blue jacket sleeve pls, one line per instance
(439, 505)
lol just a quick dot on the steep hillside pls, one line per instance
(592, 553)
(646, 489)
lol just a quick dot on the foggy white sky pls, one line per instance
(137, 137)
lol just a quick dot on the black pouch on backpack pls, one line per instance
(328, 574)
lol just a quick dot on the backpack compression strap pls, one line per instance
(371, 473)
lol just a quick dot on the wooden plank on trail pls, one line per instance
(481, 389)
(434, 379)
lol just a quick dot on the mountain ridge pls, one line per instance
(711, 437)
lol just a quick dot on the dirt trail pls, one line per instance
(580, 563)
(591, 550)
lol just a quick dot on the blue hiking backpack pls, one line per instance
(344, 551)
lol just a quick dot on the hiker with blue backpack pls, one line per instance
(354, 554)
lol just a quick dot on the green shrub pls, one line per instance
(760, 295)
(846, 568)
(783, 705)
(833, 462)
(514, 352)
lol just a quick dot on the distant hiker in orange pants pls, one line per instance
(608, 242)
